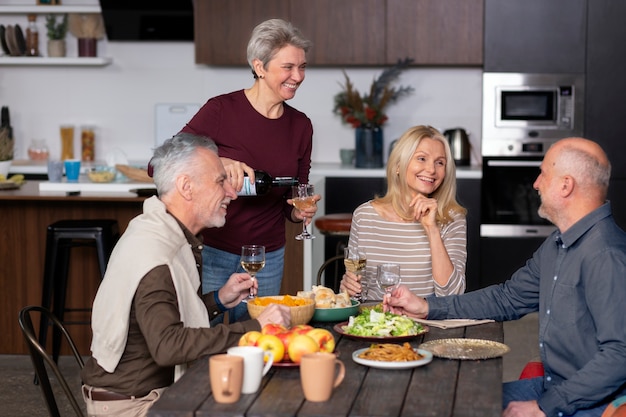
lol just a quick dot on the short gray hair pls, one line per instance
(270, 36)
(585, 167)
(176, 156)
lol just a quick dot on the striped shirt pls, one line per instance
(406, 244)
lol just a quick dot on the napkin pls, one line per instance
(452, 323)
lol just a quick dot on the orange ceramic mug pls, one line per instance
(226, 375)
(320, 373)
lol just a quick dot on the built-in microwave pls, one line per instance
(524, 113)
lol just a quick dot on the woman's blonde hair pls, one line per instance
(398, 193)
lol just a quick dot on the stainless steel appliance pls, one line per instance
(459, 145)
(524, 113)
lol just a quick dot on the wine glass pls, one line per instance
(355, 260)
(388, 277)
(252, 261)
(303, 198)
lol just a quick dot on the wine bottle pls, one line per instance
(263, 182)
(6, 135)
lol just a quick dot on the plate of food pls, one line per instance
(392, 356)
(374, 325)
(465, 348)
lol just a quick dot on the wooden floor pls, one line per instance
(20, 398)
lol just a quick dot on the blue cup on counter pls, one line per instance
(72, 169)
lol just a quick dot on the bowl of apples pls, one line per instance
(288, 345)
(302, 309)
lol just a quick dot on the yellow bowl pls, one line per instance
(299, 314)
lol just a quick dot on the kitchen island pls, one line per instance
(24, 217)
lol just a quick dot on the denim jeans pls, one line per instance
(218, 266)
(531, 389)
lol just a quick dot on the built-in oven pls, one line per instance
(511, 228)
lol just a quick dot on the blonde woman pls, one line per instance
(418, 224)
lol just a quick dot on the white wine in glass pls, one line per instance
(355, 261)
(303, 197)
(252, 261)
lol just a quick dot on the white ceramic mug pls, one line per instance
(253, 368)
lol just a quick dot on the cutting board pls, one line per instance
(170, 118)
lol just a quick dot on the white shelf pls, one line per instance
(65, 61)
(48, 9)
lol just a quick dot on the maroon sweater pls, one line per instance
(281, 147)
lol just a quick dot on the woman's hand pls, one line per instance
(235, 171)
(351, 283)
(236, 289)
(307, 214)
(424, 210)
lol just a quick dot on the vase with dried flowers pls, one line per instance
(7, 143)
(366, 112)
(87, 28)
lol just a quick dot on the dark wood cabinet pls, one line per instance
(605, 83)
(435, 32)
(347, 32)
(535, 36)
(468, 195)
(222, 28)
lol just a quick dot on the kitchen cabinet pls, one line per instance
(605, 82)
(348, 32)
(535, 36)
(23, 11)
(435, 32)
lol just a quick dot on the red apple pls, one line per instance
(301, 328)
(271, 343)
(286, 337)
(250, 338)
(324, 339)
(300, 345)
(273, 328)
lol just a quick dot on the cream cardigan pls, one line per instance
(153, 238)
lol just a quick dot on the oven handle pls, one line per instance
(514, 230)
(500, 163)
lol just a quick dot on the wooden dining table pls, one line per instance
(443, 387)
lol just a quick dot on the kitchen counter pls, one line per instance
(329, 169)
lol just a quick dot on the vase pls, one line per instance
(369, 146)
(87, 47)
(56, 48)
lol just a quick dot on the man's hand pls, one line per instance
(523, 409)
(275, 313)
(236, 289)
(403, 301)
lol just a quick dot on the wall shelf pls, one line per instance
(65, 61)
(48, 9)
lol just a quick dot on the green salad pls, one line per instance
(374, 322)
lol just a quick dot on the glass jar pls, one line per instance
(38, 150)
(88, 143)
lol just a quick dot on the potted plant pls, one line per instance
(56, 35)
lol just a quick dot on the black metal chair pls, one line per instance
(338, 269)
(41, 358)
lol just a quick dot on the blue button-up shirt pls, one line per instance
(577, 282)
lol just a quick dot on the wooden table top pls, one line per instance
(443, 387)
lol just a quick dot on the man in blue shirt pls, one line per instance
(576, 280)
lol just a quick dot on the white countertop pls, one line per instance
(330, 169)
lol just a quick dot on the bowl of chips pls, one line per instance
(101, 173)
(302, 308)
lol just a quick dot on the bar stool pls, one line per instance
(61, 237)
(337, 227)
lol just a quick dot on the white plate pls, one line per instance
(427, 357)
